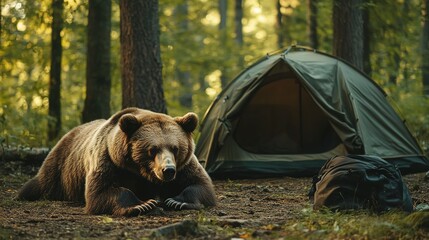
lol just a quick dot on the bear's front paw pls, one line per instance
(146, 206)
(171, 203)
(136, 210)
(178, 205)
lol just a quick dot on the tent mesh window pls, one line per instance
(282, 118)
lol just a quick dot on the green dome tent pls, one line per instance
(291, 111)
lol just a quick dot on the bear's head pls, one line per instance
(153, 145)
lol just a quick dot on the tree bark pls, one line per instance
(1, 20)
(98, 81)
(181, 13)
(396, 44)
(312, 23)
(239, 28)
(366, 40)
(140, 56)
(54, 109)
(279, 25)
(348, 31)
(28, 155)
(425, 49)
(238, 22)
(223, 8)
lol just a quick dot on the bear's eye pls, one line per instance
(152, 151)
(175, 150)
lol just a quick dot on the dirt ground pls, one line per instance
(262, 205)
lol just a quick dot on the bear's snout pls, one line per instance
(169, 173)
(165, 169)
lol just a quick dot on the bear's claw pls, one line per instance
(175, 204)
(146, 206)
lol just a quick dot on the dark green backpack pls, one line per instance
(360, 182)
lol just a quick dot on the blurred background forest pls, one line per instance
(204, 45)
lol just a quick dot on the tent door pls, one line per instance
(282, 118)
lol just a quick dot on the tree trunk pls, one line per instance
(223, 8)
(98, 81)
(366, 39)
(425, 49)
(239, 29)
(238, 22)
(396, 44)
(279, 25)
(140, 56)
(33, 156)
(312, 23)
(1, 20)
(54, 109)
(181, 13)
(348, 31)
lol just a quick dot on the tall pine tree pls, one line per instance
(98, 81)
(140, 55)
(54, 109)
(425, 49)
(348, 31)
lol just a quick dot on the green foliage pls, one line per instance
(353, 225)
(23, 67)
(195, 55)
(395, 59)
(415, 110)
(330, 225)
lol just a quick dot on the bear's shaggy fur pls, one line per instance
(127, 165)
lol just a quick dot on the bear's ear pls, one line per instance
(129, 124)
(188, 122)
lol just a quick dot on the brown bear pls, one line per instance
(134, 162)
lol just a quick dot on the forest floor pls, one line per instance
(275, 208)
